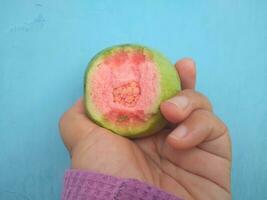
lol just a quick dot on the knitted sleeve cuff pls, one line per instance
(84, 185)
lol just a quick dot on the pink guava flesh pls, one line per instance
(125, 86)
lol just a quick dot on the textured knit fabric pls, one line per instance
(84, 185)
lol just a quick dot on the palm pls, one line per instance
(191, 174)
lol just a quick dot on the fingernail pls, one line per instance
(179, 133)
(179, 101)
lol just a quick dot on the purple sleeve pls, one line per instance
(84, 185)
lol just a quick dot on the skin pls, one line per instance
(190, 158)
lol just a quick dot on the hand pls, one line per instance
(191, 158)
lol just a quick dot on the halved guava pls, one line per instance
(124, 86)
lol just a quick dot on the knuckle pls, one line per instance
(204, 101)
(224, 128)
(217, 122)
(197, 99)
(221, 126)
(203, 114)
(187, 92)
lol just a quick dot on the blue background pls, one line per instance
(45, 46)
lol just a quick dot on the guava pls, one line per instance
(124, 86)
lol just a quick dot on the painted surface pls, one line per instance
(45, 46)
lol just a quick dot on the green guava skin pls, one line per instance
(169, 82)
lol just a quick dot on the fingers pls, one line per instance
(75, 125)
(179, 107)
(200, 126)
(187, 72)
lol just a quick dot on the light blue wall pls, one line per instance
(46, 44)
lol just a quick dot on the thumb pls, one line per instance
(186, 69)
